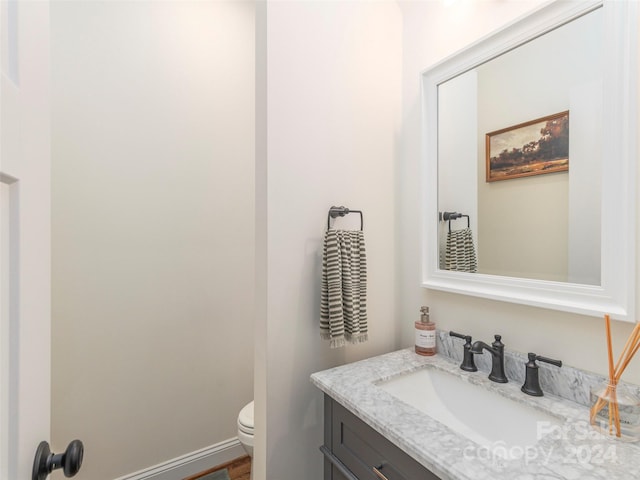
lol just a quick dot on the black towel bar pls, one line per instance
(335, 212)
(448, 216)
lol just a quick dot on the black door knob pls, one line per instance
(45, 461)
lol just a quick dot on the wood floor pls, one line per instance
(239, 469)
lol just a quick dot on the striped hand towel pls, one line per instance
(460, 252)
(343, 299)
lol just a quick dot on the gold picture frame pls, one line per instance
(535, 147)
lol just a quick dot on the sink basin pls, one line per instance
(481, 415)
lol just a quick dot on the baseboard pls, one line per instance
(191, 463)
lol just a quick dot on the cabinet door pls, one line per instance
(361, 449)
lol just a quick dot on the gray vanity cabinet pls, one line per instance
(355, 451)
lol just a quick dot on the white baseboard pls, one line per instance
(191, 463)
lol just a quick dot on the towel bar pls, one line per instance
(335, 212)
(448, 216)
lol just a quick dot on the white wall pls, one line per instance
(585, 184)
(332, 120)
(514, 212)
(331, 78)
(432, 31)
(153, 181)
(457, 118)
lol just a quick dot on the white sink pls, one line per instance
(481, 415)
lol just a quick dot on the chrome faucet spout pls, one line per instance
(496, 349)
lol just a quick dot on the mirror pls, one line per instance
(529, 142)
(526, 216)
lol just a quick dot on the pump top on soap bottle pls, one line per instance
(425, 334)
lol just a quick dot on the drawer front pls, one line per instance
(361, 449)
(334, 469)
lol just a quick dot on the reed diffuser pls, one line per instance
(615, 411)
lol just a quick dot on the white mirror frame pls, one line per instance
(616, 294)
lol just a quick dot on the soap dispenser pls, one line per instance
(425, 334)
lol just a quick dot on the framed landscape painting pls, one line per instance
(532, 148)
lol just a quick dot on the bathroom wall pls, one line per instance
(542, 202)
(457, 118)
(145, 376)
(153, 228)
(331, 127)
(431, 32)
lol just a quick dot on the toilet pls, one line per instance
(245, 428)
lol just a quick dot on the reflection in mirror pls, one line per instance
(544, 230)
(541, 220)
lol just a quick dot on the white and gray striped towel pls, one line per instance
(460, 254)
(343, 299)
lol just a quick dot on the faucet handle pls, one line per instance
(531, 384)
(467, 364)
(466, 338)
(533, 357)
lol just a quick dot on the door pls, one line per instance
(25, 238)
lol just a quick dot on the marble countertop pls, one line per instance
(573, 451)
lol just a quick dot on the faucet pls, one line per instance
(467, 360)
(531, 384)
(496, 349)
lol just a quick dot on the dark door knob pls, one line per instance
(45, 461)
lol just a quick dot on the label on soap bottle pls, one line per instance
(425, 338)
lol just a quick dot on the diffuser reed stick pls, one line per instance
(626, 357)
(610, 398)
(612, 376)
(632, 340)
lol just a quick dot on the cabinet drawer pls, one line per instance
(360, 448)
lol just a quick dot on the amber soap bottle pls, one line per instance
(425, 334)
